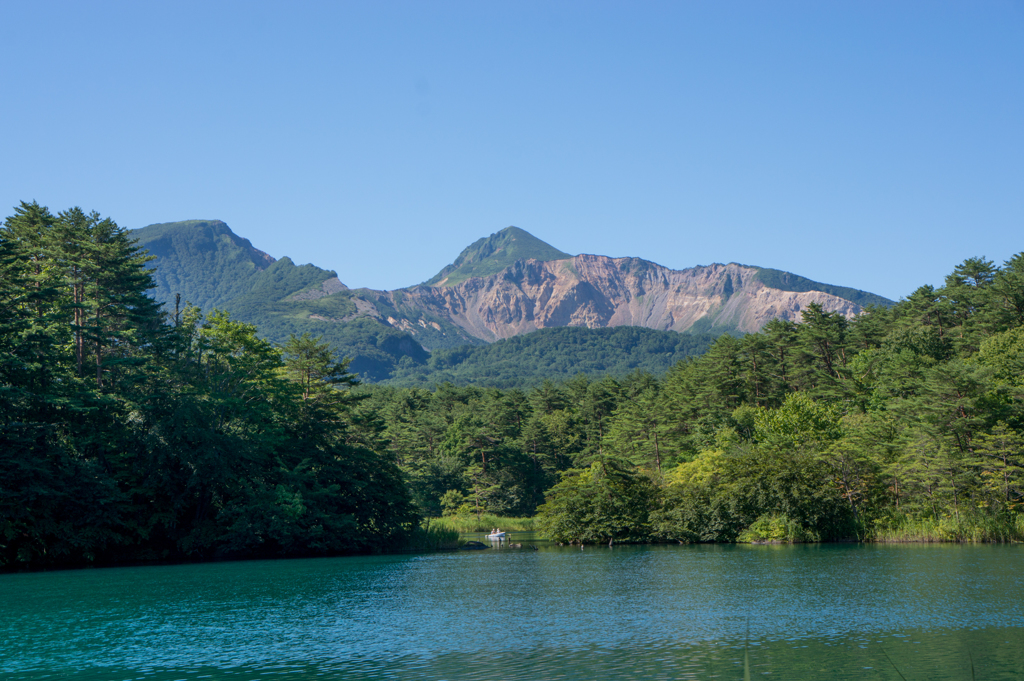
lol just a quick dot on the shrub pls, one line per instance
(777, 529)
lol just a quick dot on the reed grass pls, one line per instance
(431, 536)
(485, 523)
(969, 529)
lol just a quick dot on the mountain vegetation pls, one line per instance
(787, 281)
(203, 263)
(494, 253)
(507, 284)
(131, 434)
(555, 354)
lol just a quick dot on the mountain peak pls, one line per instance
(203, 260)
(494, 253)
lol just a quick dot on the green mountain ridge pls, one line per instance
(494, 253)
(203, 260)
(386, 333)
(213, 268)
(787, 281)
(555, 354)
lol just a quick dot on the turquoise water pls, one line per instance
(649, 612)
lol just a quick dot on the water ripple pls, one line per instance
(558, 613)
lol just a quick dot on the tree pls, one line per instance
(600, 504)
(636, 434)
(822, 356)
(310, 363)
(1000, 460)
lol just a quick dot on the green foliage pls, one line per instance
(776, 529)
(485, 523)
(797, 422)
(492, 254)
(453, 502)
(555, 354)
(603, 503)
(432, 536)
(125, 438)
(722, 493)
(976, 528)
(786, 281)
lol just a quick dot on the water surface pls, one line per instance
(650, 612)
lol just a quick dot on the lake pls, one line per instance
(626, 612)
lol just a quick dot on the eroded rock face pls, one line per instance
(597, 291)
(327, 287)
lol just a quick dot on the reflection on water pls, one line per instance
(647, 612)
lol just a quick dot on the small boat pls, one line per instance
(496, 535)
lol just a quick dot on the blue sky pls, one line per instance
(865, 144)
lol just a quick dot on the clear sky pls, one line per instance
(865, 144)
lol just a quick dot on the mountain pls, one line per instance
(492, 254)
(203, 260)
(502, 286)
(598, 291)
(213, 268)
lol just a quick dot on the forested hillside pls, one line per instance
(204, 263)
(903, 423)
(130, 435)
(555, 354)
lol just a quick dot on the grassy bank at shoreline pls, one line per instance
(432, 537)
(893, 530)
(485, 523)
(965, 530)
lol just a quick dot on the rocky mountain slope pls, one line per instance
(594, 291)
(598, 292)
(504, 285)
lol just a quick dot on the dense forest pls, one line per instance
(903, 423)
(130, 434)
(207, 265)
(555, 354)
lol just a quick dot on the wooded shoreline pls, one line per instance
(135, 434)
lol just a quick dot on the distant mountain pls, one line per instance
(785, 281)
(203, 260)
(492, 254)
(597, 291)
(505, 285)
(213, 268)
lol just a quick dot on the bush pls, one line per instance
(452, 503)
(777, 529)
(720, 494)
(599, 504)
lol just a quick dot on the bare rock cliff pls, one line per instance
(597, 291)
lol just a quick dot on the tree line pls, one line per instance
(904, 422)
(128, 433)
(554, 354)
(131, 433)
